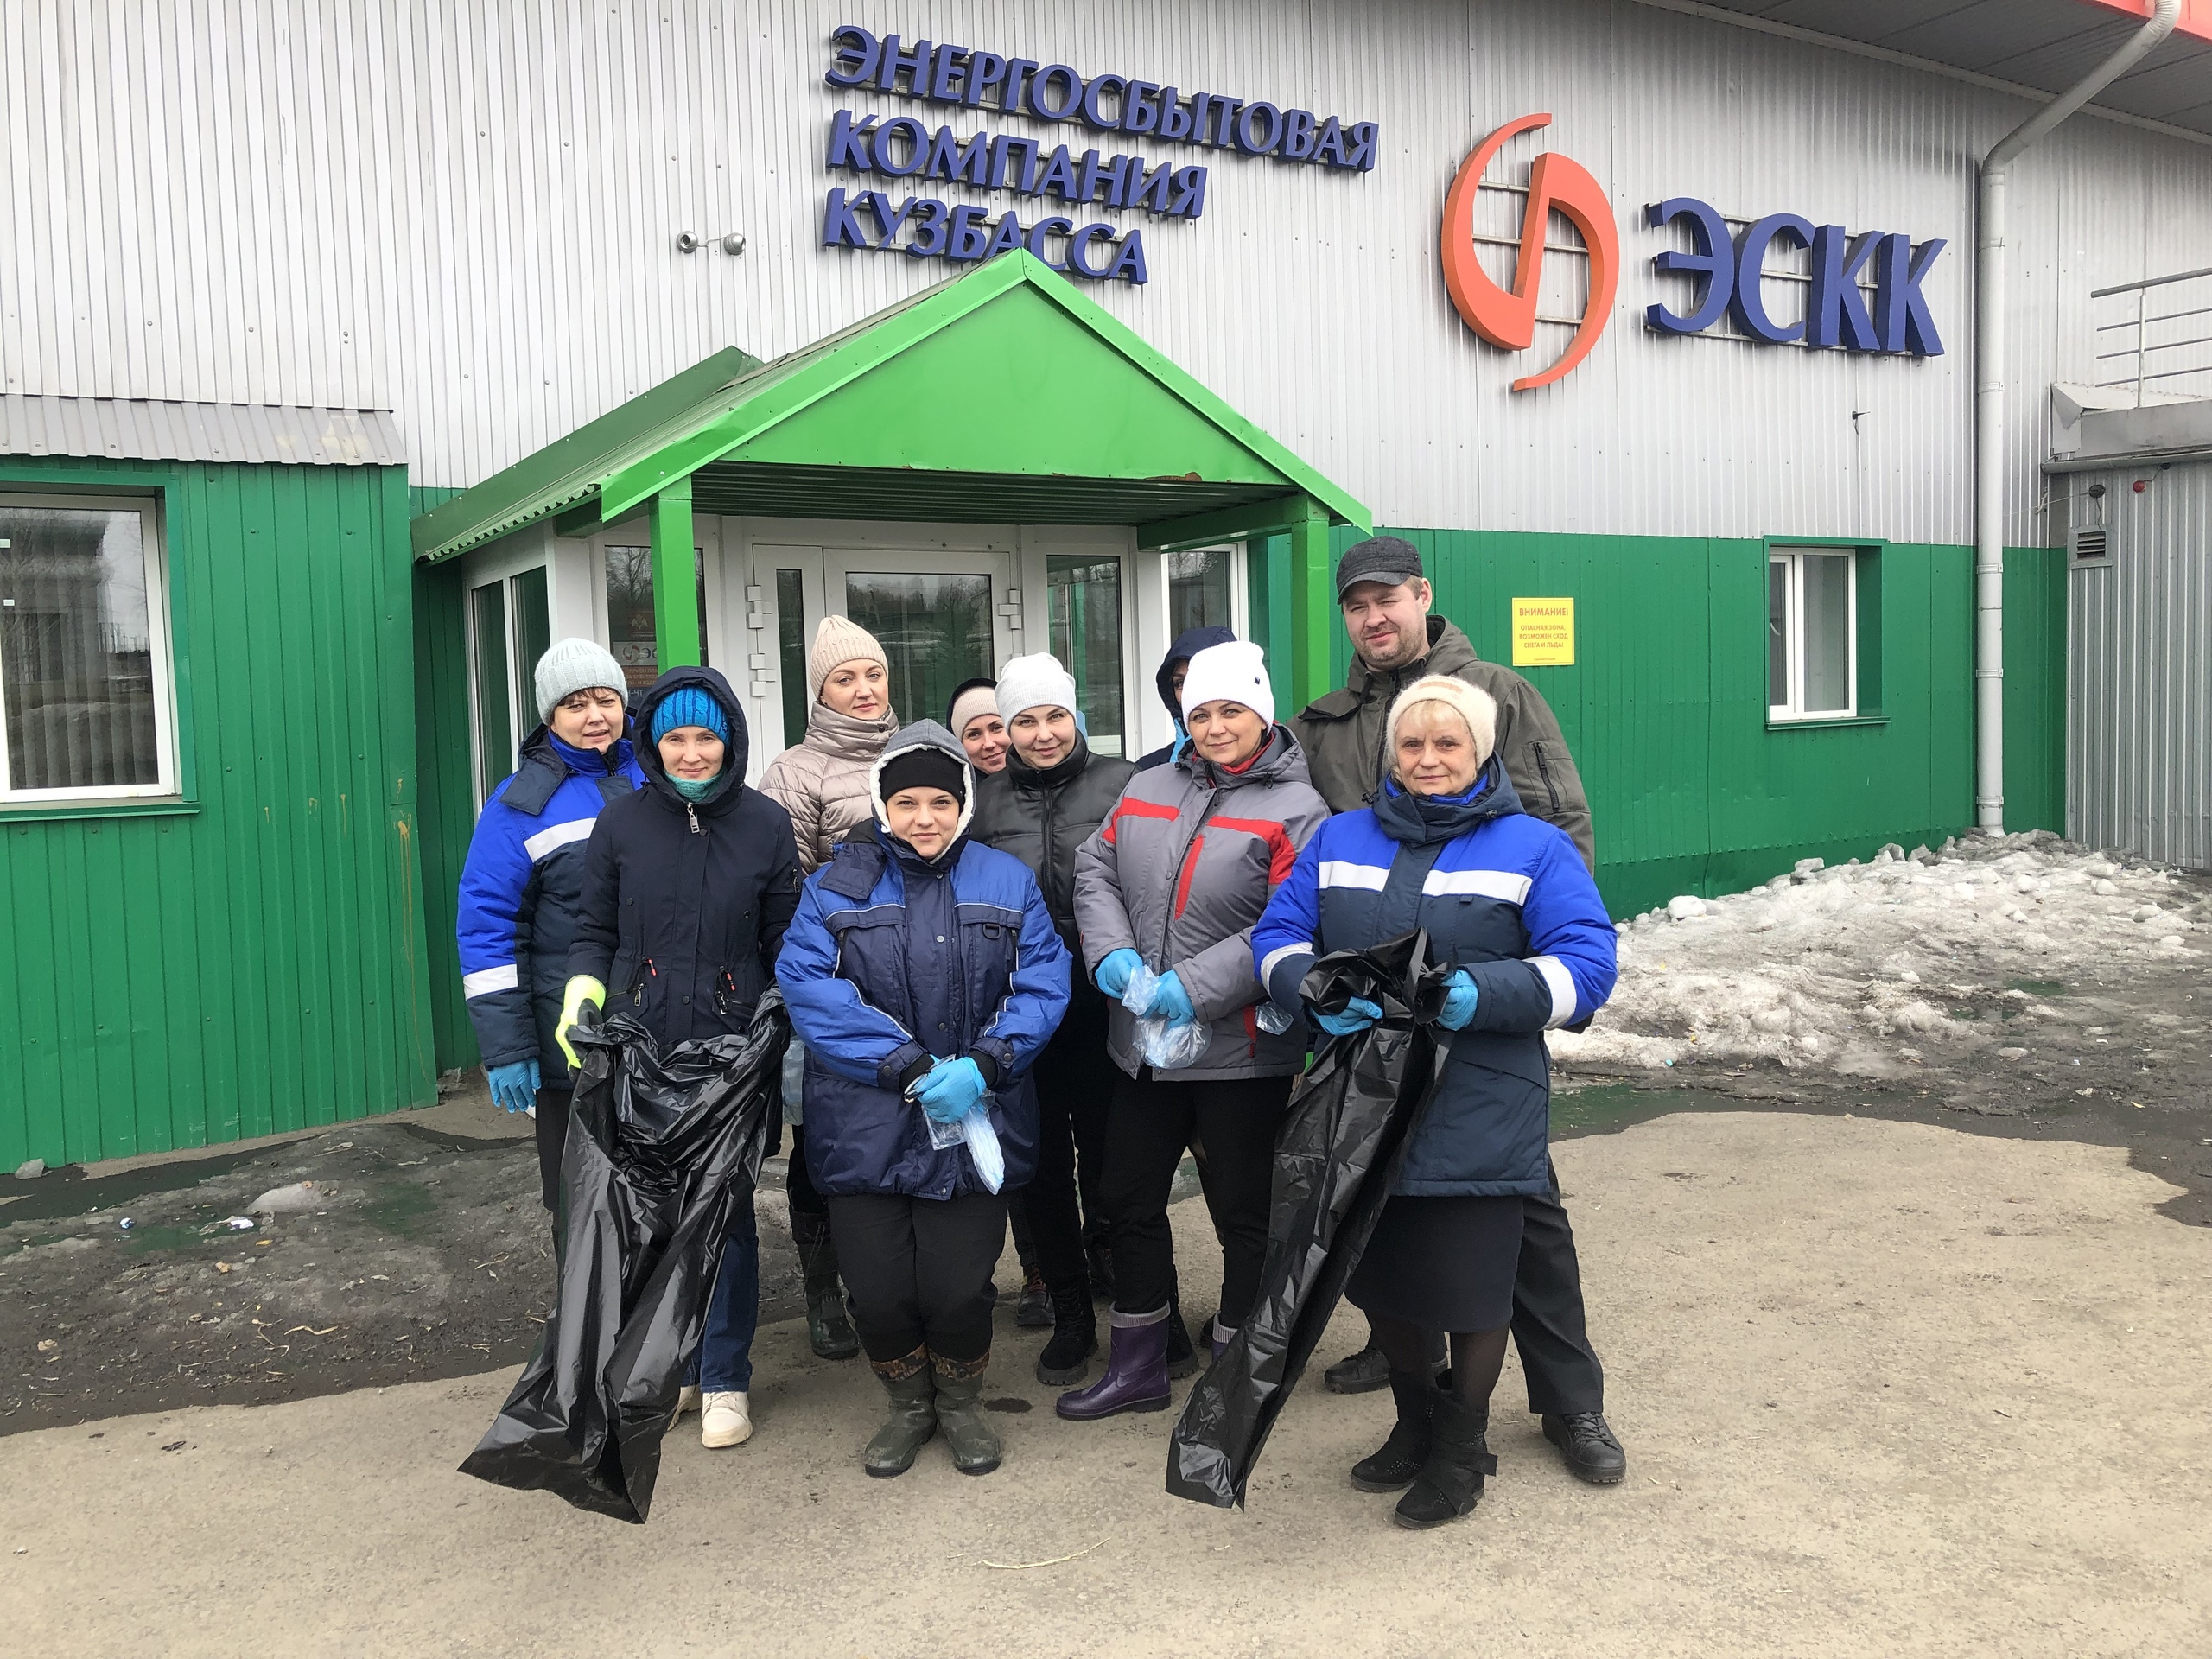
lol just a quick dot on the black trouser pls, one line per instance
(798, 1185)
(1075, 1095)
(1548, 1325)
(919, 1271)
(1151, 1124)
(554, 1107)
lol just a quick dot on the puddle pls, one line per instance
(1607, 1109)
(2037, 987)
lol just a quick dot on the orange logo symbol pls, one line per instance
(1509, 319)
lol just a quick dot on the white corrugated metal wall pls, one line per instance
(2138, 739)
(467, 212)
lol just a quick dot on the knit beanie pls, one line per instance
(839, 639)
(973, 697)
(1037, 681)
(1236, 672)
(924, 768)
(1471, 702)
(689, 705)
(1388, 559)
(569, 666)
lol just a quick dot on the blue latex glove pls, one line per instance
(951, 1090)
(1359, 1014)
(514, 1088)
(1458, 1001)
(1114, 972)
(1170, 1001)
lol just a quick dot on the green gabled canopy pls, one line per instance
(1002, 396)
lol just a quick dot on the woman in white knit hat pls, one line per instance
(972, 717)
(823, 781)
(521, 890)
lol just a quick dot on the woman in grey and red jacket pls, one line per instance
(1173, 881)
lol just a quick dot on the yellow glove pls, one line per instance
(581, 988)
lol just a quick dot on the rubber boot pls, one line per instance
(912, 1419)
(1392, 1467)
(1182, 1354)
(1136, 1370)
(829, 1325)
(1451, 1481)
(968, 1431)
(1075, 1336)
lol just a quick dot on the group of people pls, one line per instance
(987, 917)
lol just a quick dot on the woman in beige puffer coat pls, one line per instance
(821, 781)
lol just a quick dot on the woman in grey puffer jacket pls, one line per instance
(1173, 881)
(823, 781)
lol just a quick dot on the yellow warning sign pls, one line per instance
(1543, 633)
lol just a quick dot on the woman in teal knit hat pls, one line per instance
(689, 885)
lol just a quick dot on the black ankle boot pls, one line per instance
(829, 1325)
(1451, 1483)
(1075, 1336)
(1393, 1467)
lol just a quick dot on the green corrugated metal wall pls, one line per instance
(1665, 709)
(259, 964)
(449, 794)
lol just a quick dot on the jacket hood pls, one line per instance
(710, 681)
(923, 734)
(1188, 644)
(1281, 761)
(1421, 821)
(1449, 652)
(846, 736)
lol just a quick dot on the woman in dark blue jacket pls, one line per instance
(924, 974)
(689, 886)
(1505, 898)
(522, 888)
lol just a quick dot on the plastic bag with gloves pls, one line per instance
(1336, 1156)
(662, 1150)
(972, 1129)
(1169, 1044)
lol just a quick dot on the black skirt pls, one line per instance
(1444, 1264)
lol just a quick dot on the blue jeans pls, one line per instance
(734, 1311)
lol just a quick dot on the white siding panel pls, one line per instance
(466, 210)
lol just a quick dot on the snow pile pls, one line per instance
(1873, 970)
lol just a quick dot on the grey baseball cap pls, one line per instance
(1389, 559)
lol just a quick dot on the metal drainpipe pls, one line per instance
(1989, 277)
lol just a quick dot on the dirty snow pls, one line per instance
(1876, 970)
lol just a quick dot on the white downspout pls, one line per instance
(1989, 277)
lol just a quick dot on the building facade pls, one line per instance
(1716, 392)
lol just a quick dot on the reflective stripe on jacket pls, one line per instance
(1507, 899)
(522, 894)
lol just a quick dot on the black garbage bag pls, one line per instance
(662, 1151)
(1342, 1142)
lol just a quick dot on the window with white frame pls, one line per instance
(508, 632)
(1812, 634)
(86, 710)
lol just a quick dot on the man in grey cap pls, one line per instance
(1385, 595)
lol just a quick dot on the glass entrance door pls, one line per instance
(942, 616)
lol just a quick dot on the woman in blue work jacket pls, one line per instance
(522, 887)
(1506, 899)
(925, 973)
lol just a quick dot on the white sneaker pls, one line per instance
(726, 1422)
(687, 1399)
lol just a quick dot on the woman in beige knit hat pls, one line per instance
(822, 782)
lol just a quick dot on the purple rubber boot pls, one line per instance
(1136, 1370)
(1217, 1338)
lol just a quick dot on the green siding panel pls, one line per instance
(255, 964)
(1665, 708)
(448, 793)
